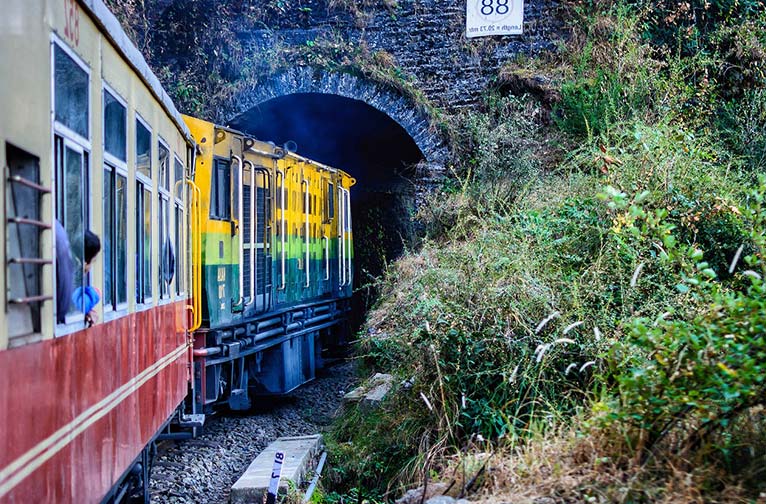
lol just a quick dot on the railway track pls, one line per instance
(202, 470)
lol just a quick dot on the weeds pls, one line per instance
(565, 295)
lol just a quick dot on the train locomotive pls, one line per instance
(276, 267)
(225, 270)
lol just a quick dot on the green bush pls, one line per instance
(690, 375)
(743, 125)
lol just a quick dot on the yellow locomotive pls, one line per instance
(274, 267)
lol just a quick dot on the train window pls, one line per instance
(143, 244)
(23, 285)
(114, 238)
(143, 149)
(143, 239)
(220, 187)
(115, 135)
(164, 158)
(178, 181)
(71, 94)
(71, 144)
(167, 269)
(72, 208)
(179, 225)
(329, 197)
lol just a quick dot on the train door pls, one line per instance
(326, 226)
(345, 239)
(257, 232)
(223, 281)
(280, 235)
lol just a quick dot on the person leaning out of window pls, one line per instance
(87, 297)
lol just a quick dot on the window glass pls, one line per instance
(147, 249)
(115, 238)
(179, 175)
(74, 215)
(143, 150)
(179, 250)
(72, 207)
(70, 93)
(220, 207)
(114, 127)
(166, 274)
(121, 239)
(164, 157)
(108, 237)
(143, 255)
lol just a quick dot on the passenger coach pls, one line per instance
(89, 138)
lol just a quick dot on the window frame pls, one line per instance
(163, 195)
(108, 157)
(178, 204)
(117, 167)
(213, 213)
(143, 183)
(59, 128)
(73, 322)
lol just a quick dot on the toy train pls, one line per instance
(226, 265)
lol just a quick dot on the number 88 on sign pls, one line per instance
(494, 17)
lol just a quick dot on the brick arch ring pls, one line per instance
(312, 80)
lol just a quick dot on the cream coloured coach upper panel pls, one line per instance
(28, 28)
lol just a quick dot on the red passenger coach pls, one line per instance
(90, 143)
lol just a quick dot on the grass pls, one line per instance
(570, 266)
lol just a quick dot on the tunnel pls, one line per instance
(368, 144)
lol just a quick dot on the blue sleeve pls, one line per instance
(85, 298)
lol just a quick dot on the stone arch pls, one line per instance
(300, 80)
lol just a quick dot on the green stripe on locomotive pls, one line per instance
(220, 256)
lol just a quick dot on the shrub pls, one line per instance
(688, 376)
(743, 124)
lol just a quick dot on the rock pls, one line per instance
(441, 499)
(381, 385)
(373, 392)
(355, 395)
(415, 496)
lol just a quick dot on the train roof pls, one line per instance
(113, 31)
(283, 152)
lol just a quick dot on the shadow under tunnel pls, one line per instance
(366, 143)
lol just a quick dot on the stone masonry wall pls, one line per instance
(426, 39)
(423, 40)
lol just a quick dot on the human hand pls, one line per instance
(91, 318)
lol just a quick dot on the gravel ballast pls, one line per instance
(202, 470)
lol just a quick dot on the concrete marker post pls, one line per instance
(276, 474)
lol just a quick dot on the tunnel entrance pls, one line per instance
(368, 144)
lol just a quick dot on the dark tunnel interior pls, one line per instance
(365, 142)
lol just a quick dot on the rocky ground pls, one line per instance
(202, 470)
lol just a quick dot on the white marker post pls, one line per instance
(276, 474)
(485, 18)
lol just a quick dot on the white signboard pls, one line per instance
(485, 18)
(276, 474)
